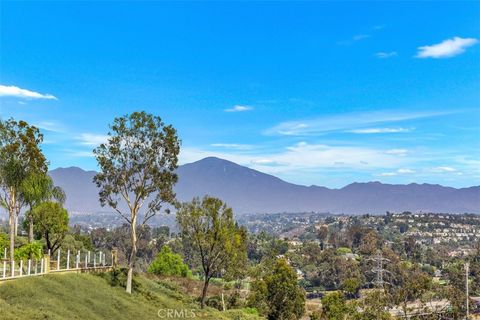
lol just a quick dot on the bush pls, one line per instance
(118, 278)
(31, 250)
(343, 250)
(168, 263)
(215, 302)
(4, 243)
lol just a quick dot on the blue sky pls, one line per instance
(318, 93)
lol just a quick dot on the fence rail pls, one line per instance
(79, 262)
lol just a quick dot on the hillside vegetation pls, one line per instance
(86, 296)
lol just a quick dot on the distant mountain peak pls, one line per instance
(250, 191)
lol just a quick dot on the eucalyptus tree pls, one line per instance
(137, 171)
(20, 153)
(207, 226)
(37, 188)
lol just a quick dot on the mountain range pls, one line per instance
(250, 191)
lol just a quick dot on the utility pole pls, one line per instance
(467, 267)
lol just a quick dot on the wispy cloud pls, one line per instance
(347, 122)
(380, 130)
(359, 37)
(305, 156)
(355, 38)
(447, 48)
(398, 152)
(92, 139)
(50, 126)
(239, 108)
(12, 91)
(444, 169)
(384, 55)
(398, 172)
(235, 146)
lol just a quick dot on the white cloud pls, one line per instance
(348, 121)
(263, 161)
(398, 172)
(380, 130)
(91, 139)
(235, 146)
(239, 108)
(304, 156)
(50, 126)
(405, 170)
(446, 49)
(388, 174)
(444, 169)
(384, 55)
(398, 152)
(12, 91)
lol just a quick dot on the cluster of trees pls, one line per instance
(26, 188)
(345, 259)
(137, 174)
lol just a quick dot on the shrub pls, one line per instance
(168, 263)
(31, 250)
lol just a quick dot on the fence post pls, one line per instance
(4, 268)
(21, 267)
(77, 259)
(94, 260)
(89, 257)
(68, 259)
(13, 268)
(41, 266)
(46, 259)
(29, 266)
(103, 254)
(58, 259)
(86, 261)
(5, 254)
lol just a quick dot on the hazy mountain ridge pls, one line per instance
(250, 191)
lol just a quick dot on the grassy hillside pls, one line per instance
(86, 296)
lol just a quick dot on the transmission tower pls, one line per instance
(378, 269)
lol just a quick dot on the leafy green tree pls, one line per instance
(286, 299)
(168, 263)
(351, 286)
(413, 285)
(20, 154)
(334, 306)
(29, 251)
(258, 296)
(207, 226)
(373, 306)
(36, 188)
(137, 166)
(50, 222)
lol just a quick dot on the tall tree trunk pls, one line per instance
(11, 216)
(30, 227)
(133, 254)
(16, 224)
(204, 291)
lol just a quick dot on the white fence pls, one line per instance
(77, 262)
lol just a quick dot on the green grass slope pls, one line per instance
(86, 296)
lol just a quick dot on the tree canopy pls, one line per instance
(137, 168)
